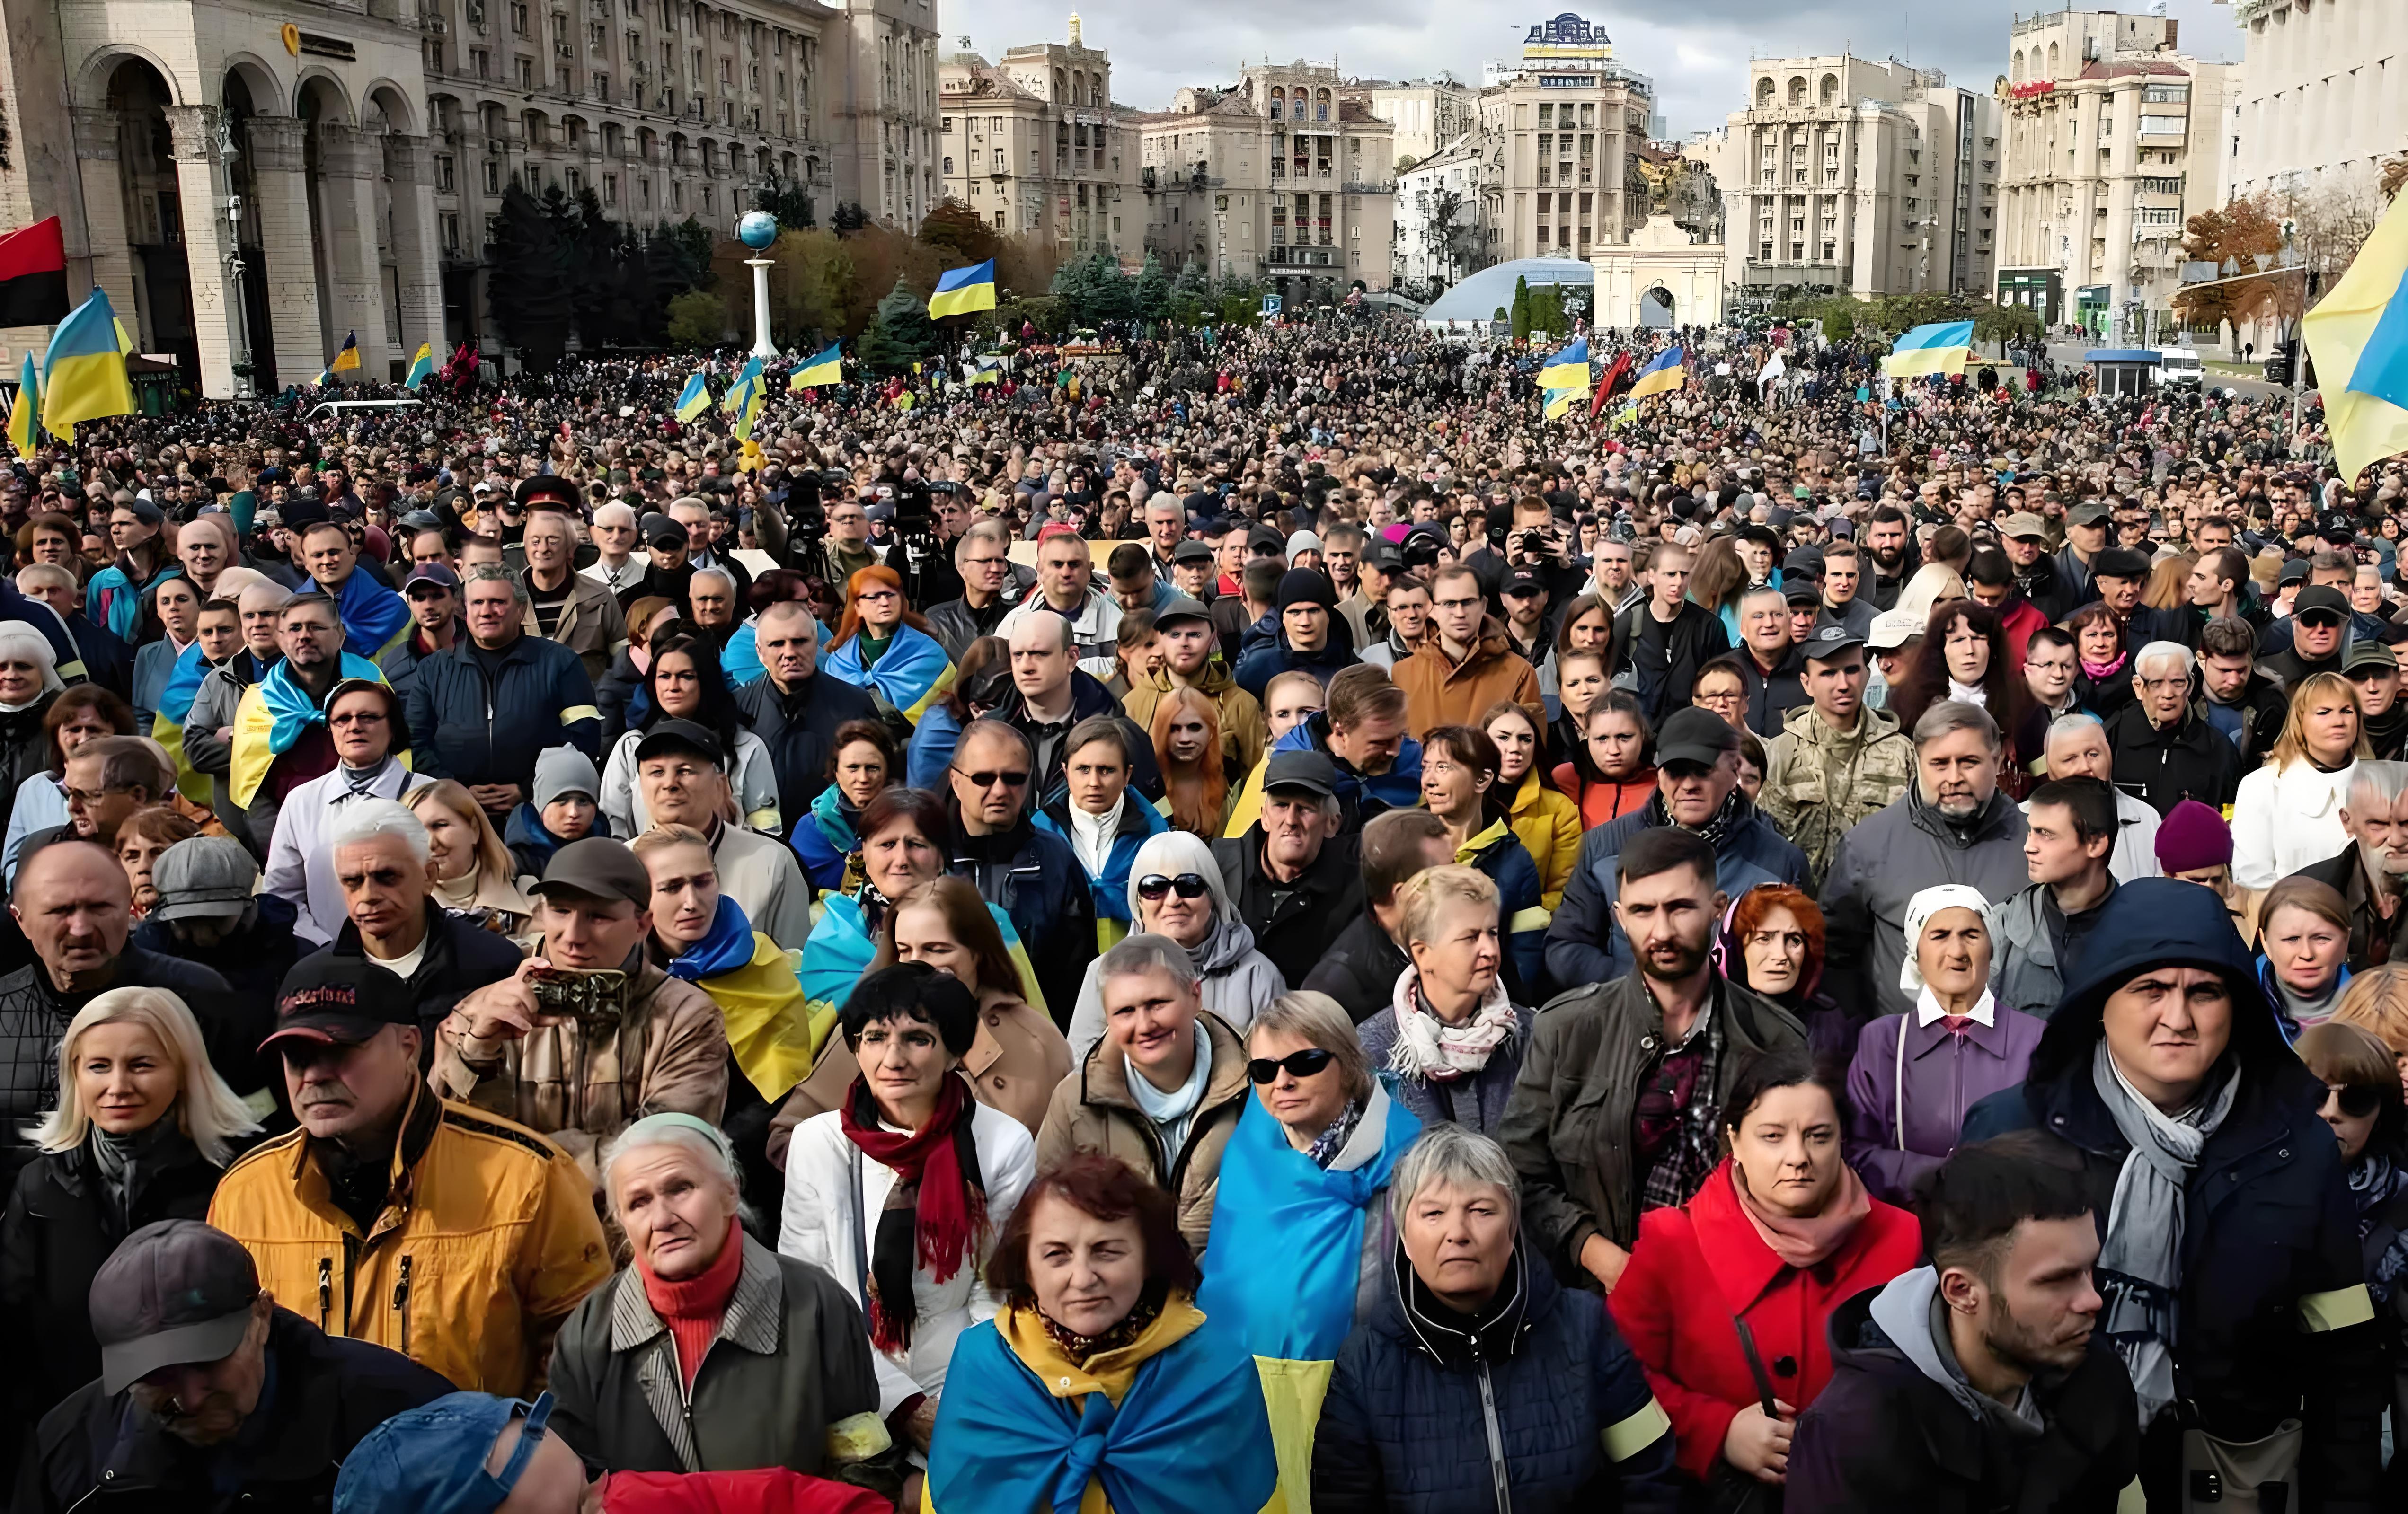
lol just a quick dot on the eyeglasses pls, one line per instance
(2356, 1102)
(1305, 1064)
(875, 596)
(1014, 778)
(358, 717)
(1186, 885)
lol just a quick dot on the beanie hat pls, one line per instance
(2193, 835)
(565, 770)
(1304, 586)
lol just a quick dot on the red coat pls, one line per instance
(769, 1491)
(1697, 1267)
(1602, 801)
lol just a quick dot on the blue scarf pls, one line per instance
(290, 708)
(374, 616)
(837, 954)
(1289, 1256)
(727, 947)
(1189, 1436)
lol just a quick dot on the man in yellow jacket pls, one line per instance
(444, 1232)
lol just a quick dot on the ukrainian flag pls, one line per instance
(84, 373)
(24, 424)
(740, 393)
(1567, 369)
(2358, 338)
(422, 368)
(1941, 347)
(694, 398)
(963, 291)
(1662, 375)
(826, 368)
(125, 337)
(274, 714)
(987, 370)
(754, 397)
(168, 721)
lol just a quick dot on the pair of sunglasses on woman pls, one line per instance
(1186, 885)
(1304, 1064)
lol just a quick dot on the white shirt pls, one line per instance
(1090, 836)
(301, 861)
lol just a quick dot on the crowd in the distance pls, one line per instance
(1222, 927)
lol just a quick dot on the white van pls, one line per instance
(343, 407)
(2180, 366)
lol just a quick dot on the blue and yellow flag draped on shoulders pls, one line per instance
(912, 671)
(752, 978)
(374, 617)
(1282, 1268)
(168, 721)
(840, 948)
(1939, 348)
(2358, 336)
(273, 714)
(1171, 1424)
(960, 290)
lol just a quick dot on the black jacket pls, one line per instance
(1360, 968)
(1884, 1436)
(1668, 669)
(1033, 876)
(460, 958)
(2271, 1319)
(328, 1394)
(799, 729)
(612, 693)
(2264, 705)
(24, 751)
(1292, 923)
(481, 728)
(57, 1233)
(1771, 697)
(1088, 698)
(253, 961)
(2162, 768)
(956, 625)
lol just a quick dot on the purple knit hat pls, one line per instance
(2193, 835)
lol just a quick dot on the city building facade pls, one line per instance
(2322, 99)
(1861, 178)
(1560, 128)
(2113, 145)
(1034, 145)
(1438, 219)
(1426, 114)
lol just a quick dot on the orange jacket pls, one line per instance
(1442, 691)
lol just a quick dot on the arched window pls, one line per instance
(1763, 92)
(2052, 60)
(1798, 90)
(949, 163)
(1830, 88)
(1321, 106)
(2015, 71)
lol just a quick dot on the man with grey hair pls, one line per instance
(702, 527)
(2077, 747)
(1952, 826)
(208, 726)
(2370, 874)
(615, 565)
(2165, 751)
(1164, 1088)
(482, 713)
(983, 557)
(561, 602)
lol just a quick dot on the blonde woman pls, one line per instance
(474, 875)
(141, 1129)
(2376, 1001)
(2287, 813)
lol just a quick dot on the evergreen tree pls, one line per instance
(901, 333)
(529, 284)
(1152, 292)
(961, 233)
(1521, 316)
(788, 202)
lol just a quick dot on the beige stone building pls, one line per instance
(1560, 130)
(2113, 145)
(2323, 94)
(1426, 114)
(252, 184)
(1035, 146)
(1860, 177)
(1277, 179)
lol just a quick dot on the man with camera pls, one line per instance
(589, 1036)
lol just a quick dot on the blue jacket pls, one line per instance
(1268, 656)
(1585, 945)
(476, 729)
(2272, 1318)
(1405, 1430)
(531, 841)
(1520, 921)
(930, 751)
(1362, 796)
(1109, 888)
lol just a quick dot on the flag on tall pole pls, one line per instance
(346, 360)
(2358, 338)
(24, 417)
(1940, 346)
(694, 397)
(84, 373)
(33, 275)
(1564, 377)
(961, 291)
(1662, 375)
(422, 368)
(756, 396)
(825, 369)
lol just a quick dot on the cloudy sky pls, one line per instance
(1696, 50)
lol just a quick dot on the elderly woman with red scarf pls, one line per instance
(900, 1191)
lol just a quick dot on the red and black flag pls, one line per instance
(1605, 386)
(33, 275)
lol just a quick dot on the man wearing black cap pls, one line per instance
(1837, 761)
(681, 779)
(1296, 881)
(636, 1042)
(1528, 627)
(1696, 789)
(2118, 575)
(664, 540)
(433, 591)
(212, 1394)
(1191, 570)
(1309, 636)
(394, 1217)
(482, 713)
(2318, 619)
(2085, 537)
(1190, 660)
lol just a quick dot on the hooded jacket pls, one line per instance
(1899, 1427)
(2272, 1320)
(1819, 783)
(1550, 826)
(1239, 982)
(1886, 860)
(1585, 945)
(1439, 691)
(2192, 760)
(1265, 657)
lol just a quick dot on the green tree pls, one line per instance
(1521, 316)
(697, 319)
(960, 234)
(529, 286)
(788, 201)
(1547, 310)
(900, 334)
(811, 288)
(2004, 323)
(1152, 292)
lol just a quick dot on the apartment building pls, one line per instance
(1034, 144)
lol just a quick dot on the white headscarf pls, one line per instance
(19, 639)
(1919, 911)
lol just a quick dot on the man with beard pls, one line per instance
(1618, 1109)
(1696, 790)
(1890, 545)
(1978, 1380)
(2370, 874)
(1952, 826)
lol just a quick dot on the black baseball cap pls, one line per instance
(1385, 555)
(1694, 736)
(1801, 593)
(2322, 597)
(1523, 581)
(1311, 771)
(437, 574)
(663, 531)
(1266, 538)
(339, 1001)
(1191, 550)
(1830, 640)
(681, 736)
(600, 868)
(175, 1293)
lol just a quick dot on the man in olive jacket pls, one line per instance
(1618, 1108)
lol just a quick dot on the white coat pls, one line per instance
(2283, 821)
(300, 859)
(818, 1226)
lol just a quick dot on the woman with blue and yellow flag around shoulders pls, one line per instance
(1100, 1387)
(883, 648)
(1301, 1232)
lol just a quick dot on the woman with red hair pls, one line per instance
(883, 648)
(1773, 945)
(1187, 748)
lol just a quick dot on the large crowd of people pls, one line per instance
(1234, 922)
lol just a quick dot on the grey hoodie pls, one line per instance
(1910, 1313)
(1239, 982)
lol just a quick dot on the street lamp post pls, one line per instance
(757, 230)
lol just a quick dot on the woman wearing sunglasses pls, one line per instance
(1176, 889)
(1301, 1216)
(2362, 1104)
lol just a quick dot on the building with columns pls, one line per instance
(1035, 147)
(1559, 131)
(2113, 145)
(2322, 100)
